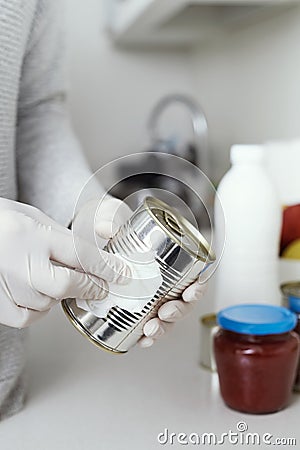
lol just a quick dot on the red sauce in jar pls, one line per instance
(256, 355)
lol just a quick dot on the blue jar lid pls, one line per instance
(257, 319)
(294, 303)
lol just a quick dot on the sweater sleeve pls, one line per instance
(50, 165)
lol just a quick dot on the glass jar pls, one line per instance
(256, 354)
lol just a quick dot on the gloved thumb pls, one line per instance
(106, 229)
(111, 214)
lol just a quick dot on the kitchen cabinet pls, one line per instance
(182, 23)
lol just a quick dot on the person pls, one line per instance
(42, 170)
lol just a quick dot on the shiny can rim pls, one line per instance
(151, 203)
(84, 332)
(291, 288)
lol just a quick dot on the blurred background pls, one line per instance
(240, 63)
(232, 69)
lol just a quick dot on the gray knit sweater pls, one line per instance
(40, 160)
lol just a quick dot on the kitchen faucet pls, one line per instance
(199, 149)
(155, 181)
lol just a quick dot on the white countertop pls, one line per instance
(82, 398)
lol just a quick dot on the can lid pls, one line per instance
(257, 319)
(291, 288)
(179, 229)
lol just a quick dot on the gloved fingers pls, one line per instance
(171, 312)
(30, 298)
(37, 215)
(106, 229)
(194, 292)
(84, 221)
(82, 255)
(111, 214)
(145, 342)
(27, 317)
(35, 301)
(155, 328)
(113, 269)
(61, 282)
(18, 316)
(174, 310)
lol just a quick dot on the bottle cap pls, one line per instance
(294, 304)
(257, 319)
(246, 154)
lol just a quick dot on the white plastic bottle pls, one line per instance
(248, 271)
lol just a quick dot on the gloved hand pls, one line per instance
(39, 265)
(113, 213)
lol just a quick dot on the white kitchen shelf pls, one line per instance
(181, 22)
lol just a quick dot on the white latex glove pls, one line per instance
(112, 214)
(39, 265)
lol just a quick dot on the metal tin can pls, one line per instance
(182, 254)
(208, 329)
(291, 288)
